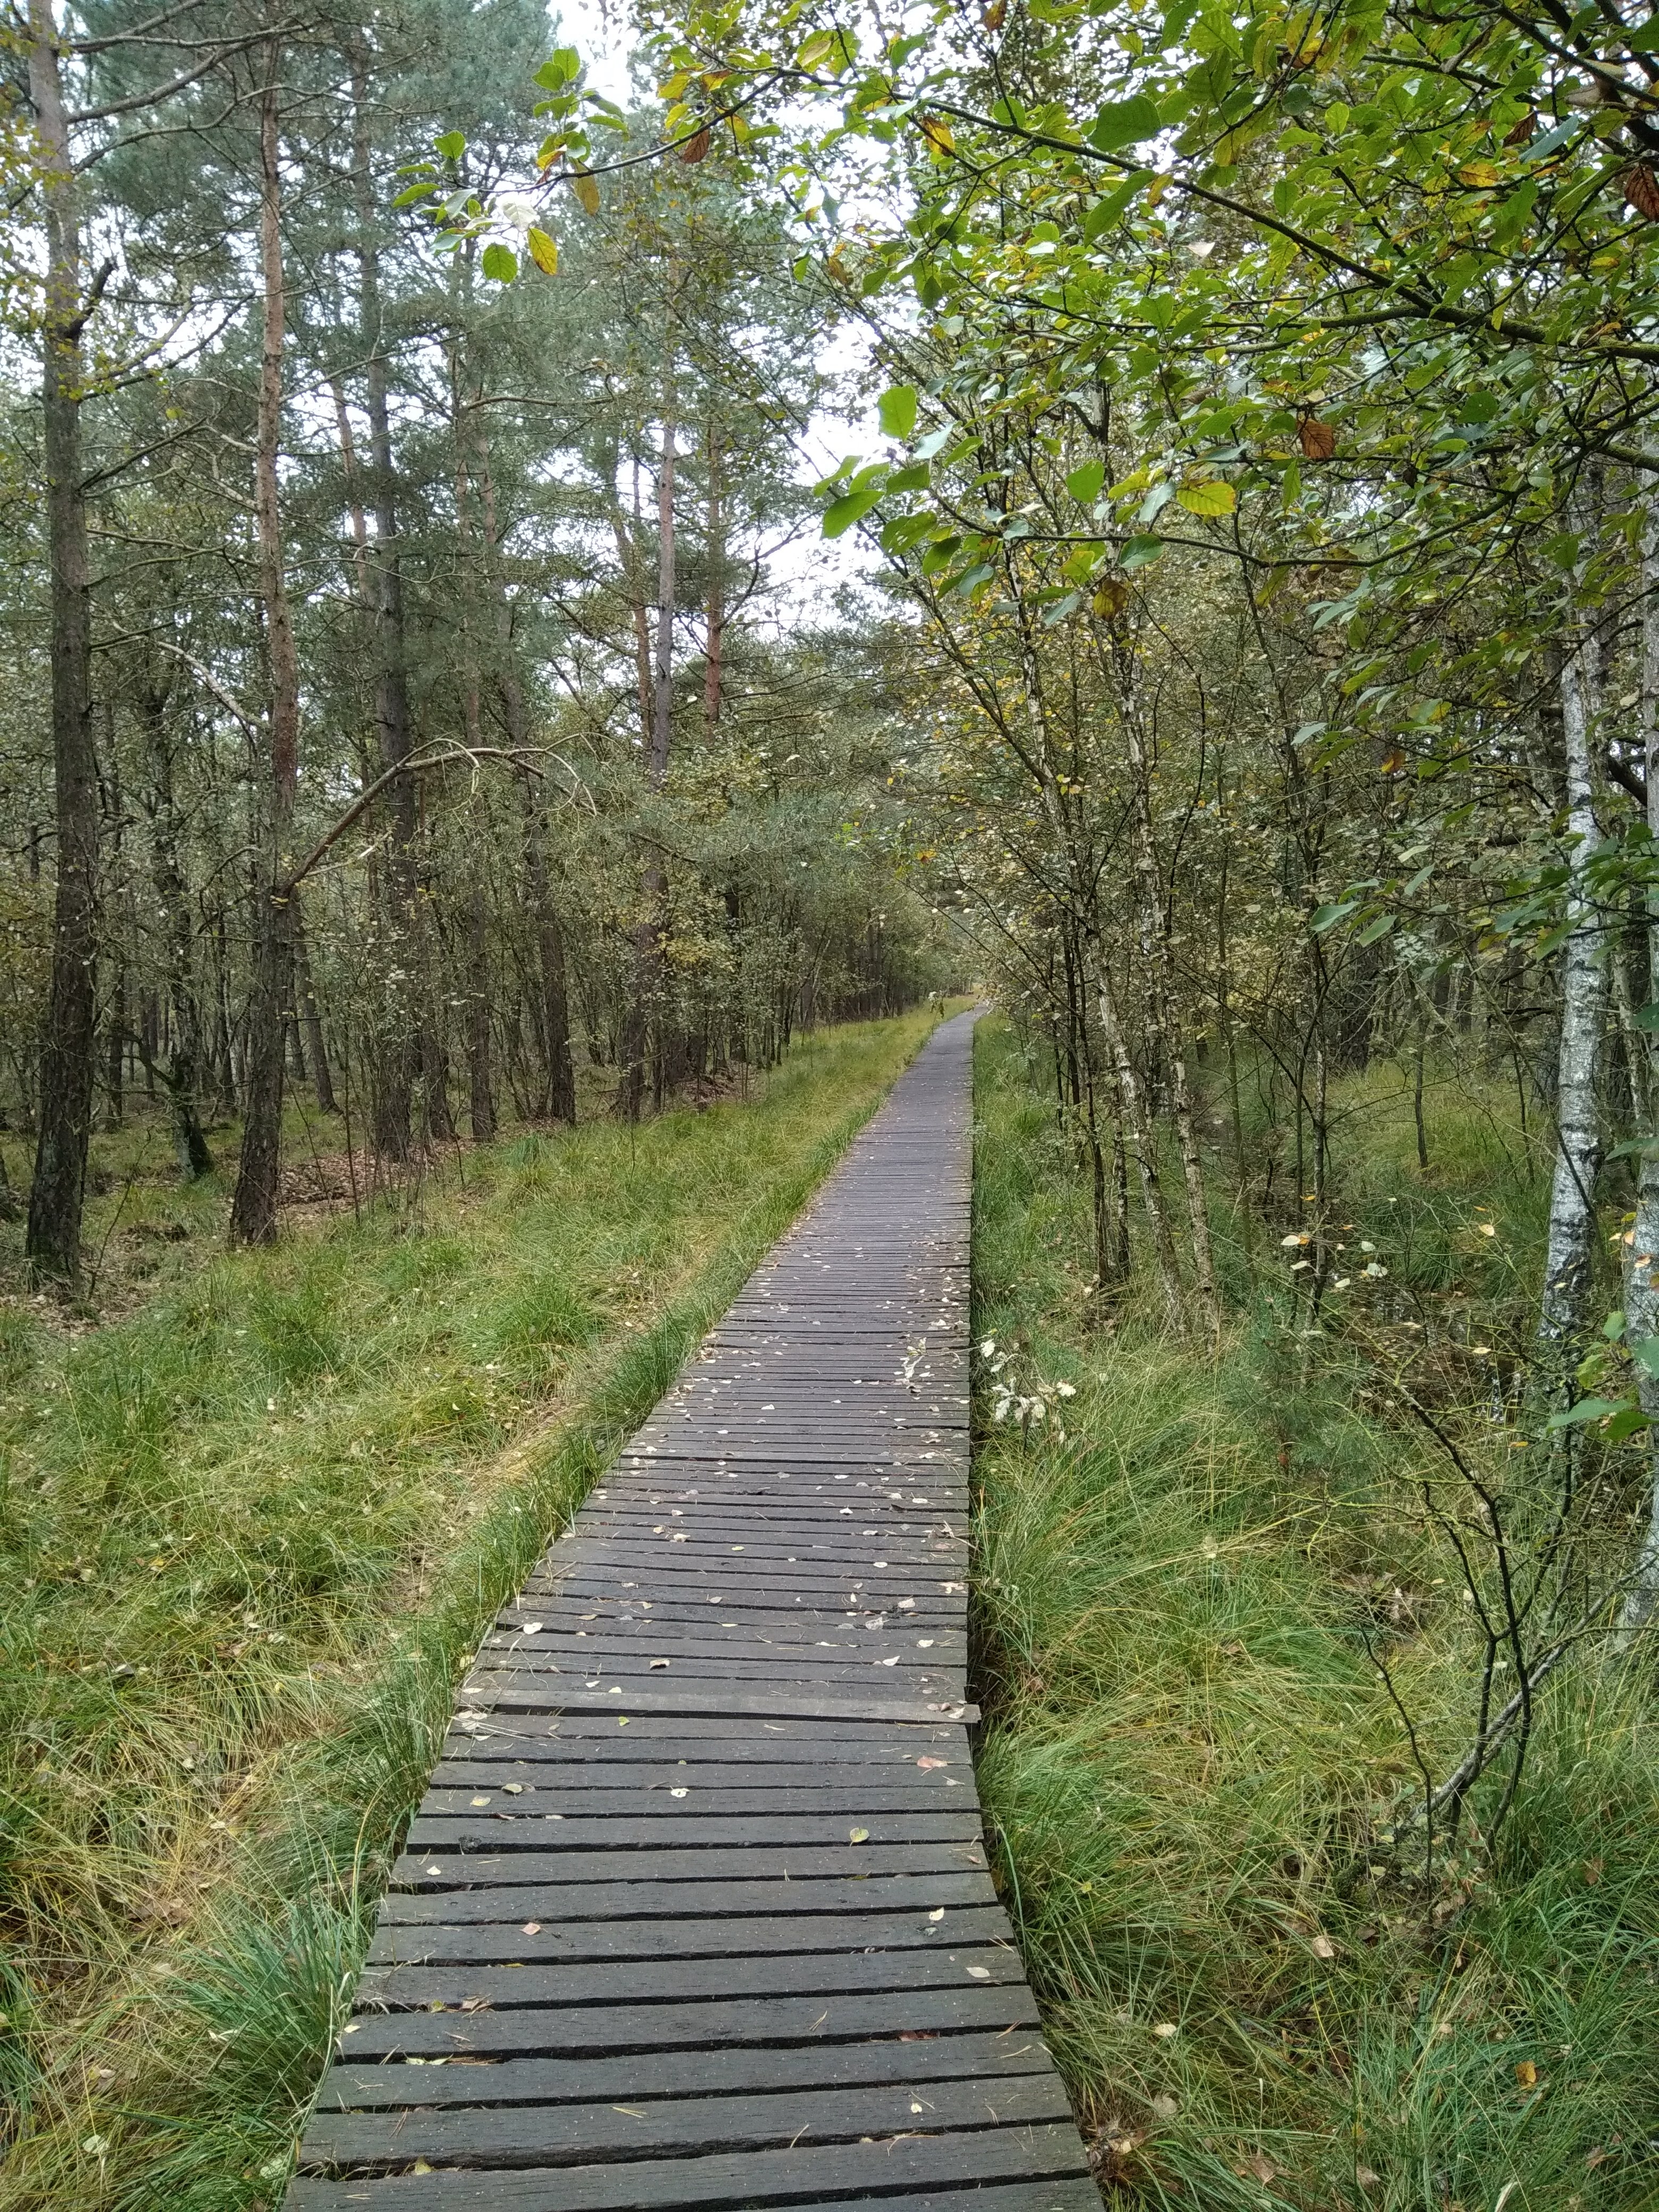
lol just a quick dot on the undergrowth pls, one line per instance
(1197, 1788)
(249, 1537)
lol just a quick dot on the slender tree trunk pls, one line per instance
(1140, 1143)
(481, 1097)
(253, 1206)
(1571, 1240)
(648, 936)
(712, 673)
(321, 1075)
(403, 1049)
(69, 1040)
(1641, 1274)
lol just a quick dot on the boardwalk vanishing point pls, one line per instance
(696, 1910)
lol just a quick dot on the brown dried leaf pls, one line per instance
(1642, 191)
(1317, 440)
(695, 147)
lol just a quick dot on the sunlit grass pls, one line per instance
(1191, 1769)
(248, 1537)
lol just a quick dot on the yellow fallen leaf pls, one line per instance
(1526, 2074)
(857, 1835)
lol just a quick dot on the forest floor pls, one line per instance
(1192, 1773)
(250, 1529)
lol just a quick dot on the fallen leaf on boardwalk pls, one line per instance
(1322, 1948)
(938, 1913)
(933, 1762)
(677, 1792)
(893, 1661)
(513, 1789)
(475, 2004)
(660, 1663)
(1526, 2074)
(531, 1927)
(857, 1835)
(980, 1973)
(530, 1628)
(481, 1800)
(420, 2167)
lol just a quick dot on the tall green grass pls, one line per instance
(249, 1536)
(1190, 1768)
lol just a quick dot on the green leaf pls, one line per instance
(1326, 917)
(1373, 930)
(452, 145)
(500, 263)
(897, 408)
(1647, 1018)
(1125, 123)
(1587, 1409)
(1215, 498)
(1084, 484)
(1139, 553)
(1107, 210)
(1644, 1351)
(843, 513)
(917, 477)
(563, 63)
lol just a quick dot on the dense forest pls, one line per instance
(460, 760)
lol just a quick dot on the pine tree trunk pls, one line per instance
(321, 1075)
(253, 1206)
(69, 1040)
(403, 1050)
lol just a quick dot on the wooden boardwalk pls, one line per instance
(698, 1914)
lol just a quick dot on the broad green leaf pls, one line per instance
(1125, 123)
(1084, 484)
(500, 262)
(897, 409)
(452, 145)
(851, 507)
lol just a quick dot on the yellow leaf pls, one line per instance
(938, 135)
(543, 252)
(857, 1835)
(1526, 2074)
(1479, 174)
(586, 189)
(1213, 498)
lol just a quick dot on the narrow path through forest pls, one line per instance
(697, 1913)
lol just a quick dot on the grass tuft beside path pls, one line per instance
(248, 1539)
(1190, 1768)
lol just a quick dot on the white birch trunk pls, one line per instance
(1584, 1010)
(1642, 1271)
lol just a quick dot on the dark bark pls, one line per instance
(69, 1040)
(253, 1207)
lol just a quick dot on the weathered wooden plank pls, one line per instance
(657, 1981)
(744, 2179)
(726, 2072)
(577, 2134)
(630, 1900)
(534, 2031)
(686, 1936)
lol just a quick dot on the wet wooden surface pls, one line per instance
(695, 1910)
